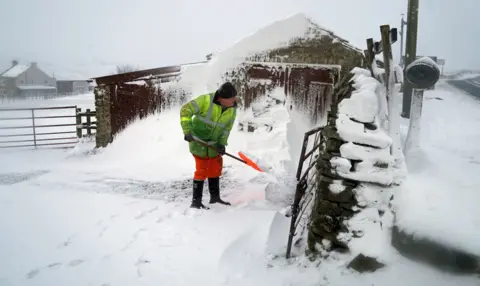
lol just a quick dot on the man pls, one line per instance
(209, 118)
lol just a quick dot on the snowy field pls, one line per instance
(440, 197)
(120, 216)
(83, 101)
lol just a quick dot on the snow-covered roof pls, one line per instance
(35, 87)
(15, 71)
(277, 35)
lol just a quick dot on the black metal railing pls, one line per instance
(306, 182)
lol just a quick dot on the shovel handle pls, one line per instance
(215, 149)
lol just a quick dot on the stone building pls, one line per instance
(303, 58)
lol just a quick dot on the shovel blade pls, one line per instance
(249, 162)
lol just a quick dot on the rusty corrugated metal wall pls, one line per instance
(135, 95)
(310, 87)
(132, 101)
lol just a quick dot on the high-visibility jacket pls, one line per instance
(207, 120)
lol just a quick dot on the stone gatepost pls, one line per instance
(103, 115)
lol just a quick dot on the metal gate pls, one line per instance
(59, 126)
(306, 186)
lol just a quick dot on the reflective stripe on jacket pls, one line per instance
(207, 120)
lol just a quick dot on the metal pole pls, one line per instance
(411, 52)
(413, 136)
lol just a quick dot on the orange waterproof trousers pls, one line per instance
(207, 168)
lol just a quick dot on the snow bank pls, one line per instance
(192, 78)
(439, 199)
(463, 75)
(109, 240)
(113, 239)
(276, 35)
(268, 145)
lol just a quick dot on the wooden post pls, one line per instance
(389, 84)
(371, 55)
(387, 59)
(79, 122)
(89, 122)
(33, 126)
(410, 53)
(403, 23)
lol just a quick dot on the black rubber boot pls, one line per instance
(197, 195)
(214, 188)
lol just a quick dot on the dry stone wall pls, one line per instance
(357, 174)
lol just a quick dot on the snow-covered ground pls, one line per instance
(120, 216)
(440, 197)
(83, 101)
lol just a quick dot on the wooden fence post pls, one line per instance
(370, 56)
(387, 59)
(393, 123)
(89, 130)
(34, 132)
(79, 122)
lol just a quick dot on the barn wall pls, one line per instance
(323, 50)
(309, 87)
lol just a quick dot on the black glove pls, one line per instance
(221, 149)
(188, 137)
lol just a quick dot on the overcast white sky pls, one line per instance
(90, 37)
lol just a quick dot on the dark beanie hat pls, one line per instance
(226, 90)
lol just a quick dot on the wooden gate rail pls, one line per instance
(305, 189)
(89, 125)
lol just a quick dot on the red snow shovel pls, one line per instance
(244, 159)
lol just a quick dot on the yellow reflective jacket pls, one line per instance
(206, 119)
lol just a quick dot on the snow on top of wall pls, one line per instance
(276, 35)
(355, 115)
(362, 107)
(363, 104)
(15, 71)
(293, 65)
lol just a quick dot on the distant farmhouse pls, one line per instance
(23, 81)
(73, 87)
